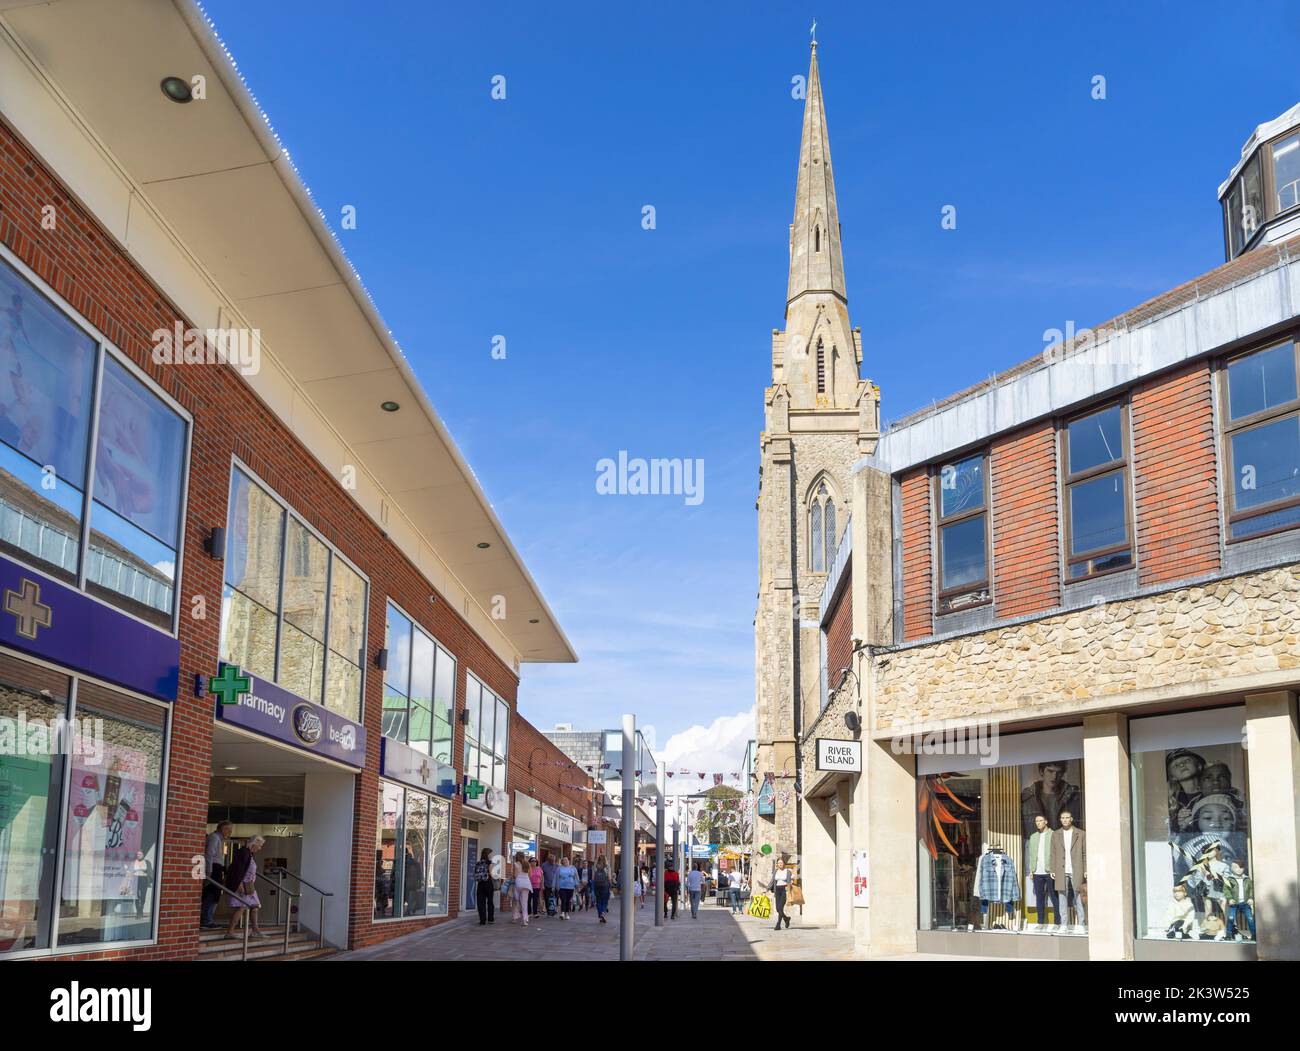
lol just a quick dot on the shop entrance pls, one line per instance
(302, 808)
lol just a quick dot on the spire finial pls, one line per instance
(813, 33)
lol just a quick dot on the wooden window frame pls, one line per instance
(1123, 465)
(1230, 428)
(943, 595)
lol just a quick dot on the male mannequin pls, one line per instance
(1069, 865)
(1038, 864)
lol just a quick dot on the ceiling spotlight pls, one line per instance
(533, 620)
(230, 768)
(390, 406)
(176, 89)
(483, 545)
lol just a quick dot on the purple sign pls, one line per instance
(274, 712)
(58, 623)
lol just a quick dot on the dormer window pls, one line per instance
(821, 367)
(817, 239)
(1264, 190)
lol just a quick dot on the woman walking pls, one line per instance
(779, 887)
(600, 887)
(566, 882)
(535, 885)
(523, 889)
(485, 889)
(241, 881)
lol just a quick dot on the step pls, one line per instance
(299, 950)
(215, 948)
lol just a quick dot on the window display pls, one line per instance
(1004, 848)
(1192, 830)
(412, 853)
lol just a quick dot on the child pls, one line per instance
(638, 891)
(1181, 917)
(1240, 891)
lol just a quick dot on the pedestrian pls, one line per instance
(694, 887)
(241, 881)
(548, 883)
(523, 890)
(566, 882)
(672, 888)
(535, 882)
(485, 888)
(600, 888)
(214, 854)
(638, 891)
(779, 887)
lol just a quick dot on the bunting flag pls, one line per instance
(717, 779)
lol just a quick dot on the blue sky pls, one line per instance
(522, 217)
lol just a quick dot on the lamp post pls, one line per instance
(627, 903)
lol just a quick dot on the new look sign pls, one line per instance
(843, 756)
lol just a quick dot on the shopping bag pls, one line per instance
(760, 905)
(795, 897)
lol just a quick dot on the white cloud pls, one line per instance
(716, 748)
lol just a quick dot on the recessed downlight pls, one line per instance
(390, 406)
(176, 89)
(230, 768)
(533, 620)
(483, 545)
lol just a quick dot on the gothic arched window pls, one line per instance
(821, 529)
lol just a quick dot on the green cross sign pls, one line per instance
(230, 684)
(474, 788)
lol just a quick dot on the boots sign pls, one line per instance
(841, 756)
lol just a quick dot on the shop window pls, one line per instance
(1262, 439)
(47, 406)
(276, 618)
(1095, 468)
(961, 499)
(1191, 826)
(1003, 848)
(412, 853)
(111, 848)
(30, 785)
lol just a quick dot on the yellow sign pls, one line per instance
(761, 906)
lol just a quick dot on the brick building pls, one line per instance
(267, 581)
(1070, 701)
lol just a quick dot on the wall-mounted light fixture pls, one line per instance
(215, 544)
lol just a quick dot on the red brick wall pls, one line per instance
(918, 600)
(1177, 507)
(537, 768)
(839, 633)
(99, 280)
(1026, 557)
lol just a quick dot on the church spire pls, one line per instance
(816, 261)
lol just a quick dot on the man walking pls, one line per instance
(548, 883)
(694, 887)
(214, 852)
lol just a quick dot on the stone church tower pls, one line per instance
(820, 418)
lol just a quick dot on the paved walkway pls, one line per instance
(716, 935)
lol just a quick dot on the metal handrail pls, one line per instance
(320, 930)
(281, 889)
(226, 890)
